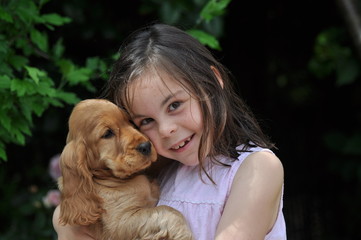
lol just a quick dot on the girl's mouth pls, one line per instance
(182, 144)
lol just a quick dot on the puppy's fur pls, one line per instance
(101, 185)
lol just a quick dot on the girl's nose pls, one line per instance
(166, 129)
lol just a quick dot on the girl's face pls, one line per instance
(166, 113)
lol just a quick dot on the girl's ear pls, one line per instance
(80, 204)
(218, 75)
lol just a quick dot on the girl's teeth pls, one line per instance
(182, 144)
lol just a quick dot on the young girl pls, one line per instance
(224, 178)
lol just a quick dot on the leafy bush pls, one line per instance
(34, 74)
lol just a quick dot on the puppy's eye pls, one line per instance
(108, 134)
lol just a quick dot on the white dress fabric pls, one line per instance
(202, 202)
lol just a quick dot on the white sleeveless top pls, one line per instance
(202, 203)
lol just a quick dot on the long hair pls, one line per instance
(227, 121)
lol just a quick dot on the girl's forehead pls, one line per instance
(158, 81)
(152, 86)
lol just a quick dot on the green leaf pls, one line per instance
(19, 128)
(45, 89)
(115, 56)
(92, 63)
(6, 69)
(5, 119)
(20, 138)
(50, 27)
(55, 102)
(35, 73)
(205, 38)
(89, 87)
(22, 86)
(23, 44)
(39, 39)
(24, 127)
(3, 153)
(19, 87)
(5, 82)
(66, 66)
(58, 49)
(27, 11)
(6, 100)
(214, 8)
(78, 75)
(39, 107)
(67, 97)
(25, 104)
(5, 16)
(55, 19)
(42, 2)
(17, 61)
(3, 46)
(96, 65)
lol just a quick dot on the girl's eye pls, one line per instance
(173, 106)
(145, 121)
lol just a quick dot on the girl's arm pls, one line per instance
(68, 232)
(252, 207)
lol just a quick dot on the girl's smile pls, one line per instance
(182, 146)
(168, 114)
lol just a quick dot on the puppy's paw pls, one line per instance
(162, 223)
(174, 224)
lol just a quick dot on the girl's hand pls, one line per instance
(67, 232)
(254, 201)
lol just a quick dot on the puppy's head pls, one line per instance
(110, 138)
(101, 143)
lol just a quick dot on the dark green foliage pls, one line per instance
(34, 74)
(333, 54)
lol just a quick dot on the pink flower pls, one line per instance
(54, 167)
(52, 199)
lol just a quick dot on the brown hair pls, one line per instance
(228, 122)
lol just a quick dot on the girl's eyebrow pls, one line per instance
(170, 96)
(165, 100)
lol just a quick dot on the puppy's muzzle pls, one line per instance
(144, 148)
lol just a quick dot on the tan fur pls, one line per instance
(101, 185)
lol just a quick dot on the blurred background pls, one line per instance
(296, 63)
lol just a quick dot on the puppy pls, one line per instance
(102, 185)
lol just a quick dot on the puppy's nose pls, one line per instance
(144, 148)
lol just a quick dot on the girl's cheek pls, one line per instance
(157, 149)
(155, 144)
(151, 137)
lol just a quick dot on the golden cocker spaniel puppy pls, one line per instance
(101, 183)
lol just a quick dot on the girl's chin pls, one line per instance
(189, 163)
(188, 157)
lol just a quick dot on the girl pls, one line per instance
(224, 177)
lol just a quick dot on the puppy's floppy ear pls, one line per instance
(80, 204)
